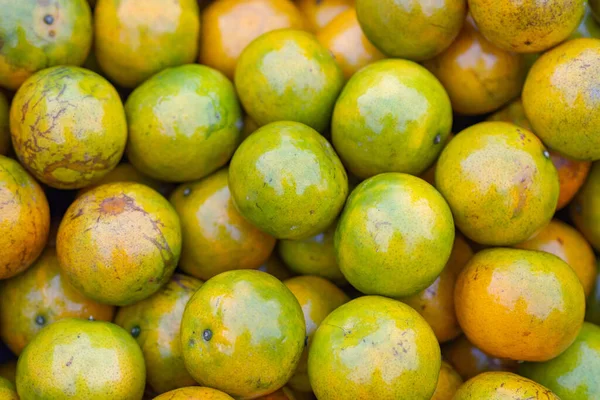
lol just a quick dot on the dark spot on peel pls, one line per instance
(187, 191)
(135, 331)
(40, 320)
(49, 19)
(68, 364)
(207, 335)
(51, 33)
(528, 43)
(437, 139)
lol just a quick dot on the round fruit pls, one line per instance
(312, 256)
(194, 393)
(502, 386)
(345, 39)
(585, 208)
(573, 375)
(394, 236)
(526, 26)
(373, 135)
(319, 13)
(275, 267)
(134, 40)
(228, 26)
(170, 143)
(470, 361)
(571, 173)
(7, 390)
(119, 243)
(499, 182)
(5, 144)
(41, 296)
(318, 298)
(436, 303)
(287, 180)
(568, 244)
(155, 324)
(589, 27)
(242, 332)
(478, 76)
(448, 383)
(216, 238)
(125, 172)
(75, 358)
(374, 348)
(287, 75)
(519, 304)
(68, 126)
(40, 34)
(411, 29)
(560, 101)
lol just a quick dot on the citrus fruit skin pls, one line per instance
(374, 348)
(585, 208)
(134, 40)
(448, 383)
(318, 298)
(344, 37)
(125, 172)
(273, 84)
(478, 76)
(372, 135)
(155, 324)
(119, 243)
(589, 27)
(242, 332)
(194, 393)
(526, 26)
(559, 100)
(519, 304)
(41, 296)
(68, 126)
(41, 34)
(75, 358)
(229, 26)
(502, 386)
(319, 13)
(411, 29)
(282, 394)
(5, 142)
(436, 303)
(216, 238)
(171, 144)
(568, 244)
(24, 218)
(573, 374)
(286, 180)
(499, 182)
(571, 173)
(394, 236)
(7, 390)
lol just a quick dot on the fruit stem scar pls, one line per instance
(48, 19)
(135, 331)
(207, 334)
(40, 320)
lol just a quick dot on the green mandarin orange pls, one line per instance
(319, 13)
(448, 383)
(502, 386)
(7, 390)
(585, 208)
(194, 393)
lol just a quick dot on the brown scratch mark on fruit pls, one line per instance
(521, 182)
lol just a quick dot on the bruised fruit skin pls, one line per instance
(470, 361)
(282, 394)
(273, 84)
(275, 267)
(374, 348)
(436, 303)
(228, 26)
(319, 13)
(24, 218)
(394, 236)
(74, 358)
(68, 126)
(155, 324)
(125, 172)
(373, 135)
(571, 173)
(39, 297)
(184, 123)
(568, 244)
(411, 29)
(40, 34)
(499, 182)
(448, 383)
(573, 375)
(119, 243)
(318, 298)
(560, 98)
(216, 238)
(5, 144)
(585, 208)
(503, 386)
(526, 26)
(519, 304)
(7, 390)
(134, 40)
(312, 256)
(194, 393)
(286, 180)
(246, 321)
(344, 37)
(478, 76)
